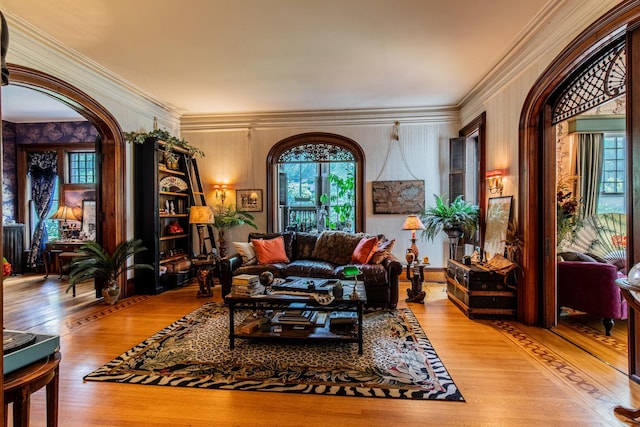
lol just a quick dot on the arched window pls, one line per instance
(316, 183)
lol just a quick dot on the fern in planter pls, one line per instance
(94, 262)
(456, 218)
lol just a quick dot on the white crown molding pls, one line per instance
(344, 117)
(33, 48)
(550, 31)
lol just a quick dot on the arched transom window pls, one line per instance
(316, 183)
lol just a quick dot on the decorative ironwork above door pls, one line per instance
(602, 80)
(316, 152)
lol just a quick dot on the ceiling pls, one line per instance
(240, 56)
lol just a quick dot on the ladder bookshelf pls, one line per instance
(164, 195)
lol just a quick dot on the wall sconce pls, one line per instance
(494, 180)
(220, 192)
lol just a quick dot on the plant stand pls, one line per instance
(454, 238)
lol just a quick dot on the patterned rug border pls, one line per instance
(291, 379)
(106, 311)
(571, 374)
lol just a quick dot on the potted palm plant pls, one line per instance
(458, 218)
(227, 217)
(94, 262)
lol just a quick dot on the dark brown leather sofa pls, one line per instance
(308, 260)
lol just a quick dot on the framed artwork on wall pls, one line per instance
(89, 219)
(397, 197)
(497, 223)
(249, 200)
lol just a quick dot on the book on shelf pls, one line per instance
(293, 317)
(343, 317)
(244, 279)
(249, 325)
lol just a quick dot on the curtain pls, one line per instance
(590, 157)
(43, 170)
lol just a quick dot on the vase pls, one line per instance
(410, 256)
(111, 293)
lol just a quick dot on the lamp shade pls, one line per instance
(65, 213)
(201, 215)
(412, 223)
(494, 173)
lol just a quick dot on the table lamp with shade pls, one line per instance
(413, 223)
(64, 214)
(201, 216)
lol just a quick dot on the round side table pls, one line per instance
(20, 384)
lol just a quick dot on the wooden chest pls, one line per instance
(481, 293)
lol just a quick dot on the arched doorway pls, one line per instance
(111, 184)
(318, 148)
(537, 302)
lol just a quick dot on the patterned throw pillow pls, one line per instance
(336, 247)
(365, 250)
(247, 252)
(382, 252)
(270, 251)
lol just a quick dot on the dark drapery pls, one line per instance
(43, 170)
(590, 157)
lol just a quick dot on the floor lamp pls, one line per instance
(200, 216)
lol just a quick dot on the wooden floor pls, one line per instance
(509, 374)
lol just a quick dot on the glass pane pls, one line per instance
(82, 168)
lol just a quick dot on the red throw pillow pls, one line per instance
(365, 249)
(270, 251)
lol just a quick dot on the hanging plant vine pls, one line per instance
(163, 135)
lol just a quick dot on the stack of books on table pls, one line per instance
(246, 285)
(299, 316)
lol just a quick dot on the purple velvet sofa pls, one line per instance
(590, 287)
(323, 256)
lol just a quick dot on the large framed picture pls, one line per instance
(249, 200)
(497, 223)
(397, 197)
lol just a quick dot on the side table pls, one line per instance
(205, 273)
(20, 384)
(415, 274)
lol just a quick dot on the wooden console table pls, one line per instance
(20, 384)
(53, 249)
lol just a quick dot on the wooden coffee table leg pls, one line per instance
(231, 310)
(360, 338)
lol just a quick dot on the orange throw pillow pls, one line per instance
(365, 250)
(270, 251)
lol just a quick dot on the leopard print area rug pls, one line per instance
(398, 360)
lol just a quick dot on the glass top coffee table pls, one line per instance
(300, 315)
